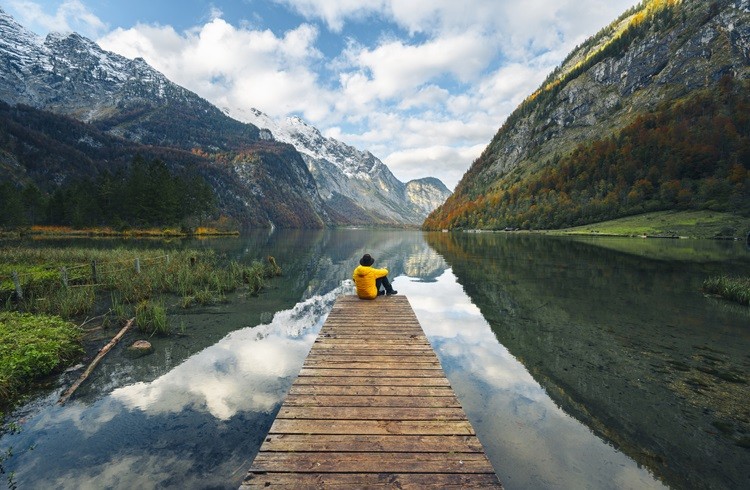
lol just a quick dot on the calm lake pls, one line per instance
(582, 363)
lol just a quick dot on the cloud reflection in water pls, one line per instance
(242, 372)
(531, 442)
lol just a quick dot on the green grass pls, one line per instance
(31, 347)
(151, 318)
(199, 277)
(690, 224)
(732, 288)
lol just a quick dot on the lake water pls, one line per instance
(581, 363)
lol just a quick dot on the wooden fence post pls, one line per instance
(137, 265)
(94, 276)
(64, 277)
(17, 284)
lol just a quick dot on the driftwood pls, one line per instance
(102, 352)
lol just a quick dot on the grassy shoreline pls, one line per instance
(106, 231)
(669, 224)
(62, 285)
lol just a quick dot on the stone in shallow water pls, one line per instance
(140, 348)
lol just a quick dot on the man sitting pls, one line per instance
(369, 280)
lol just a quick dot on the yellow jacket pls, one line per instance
(364, 277)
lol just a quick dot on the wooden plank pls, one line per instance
(356, 400)
(371, 443)
(373, 462)
(370, 381)
(371, 413)
(349, 481)
(391, 373)
(371, 351)
(377, 342)
(342, 358)
(375, 427)
(370, 390)
(365, 364)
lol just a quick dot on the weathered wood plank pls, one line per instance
(370, 390)
(371, 351)
(355, 400)
(371, 443)
(391, 373)
(343, 358)
(349, 481)
(373, 462)
(370, 381)
(364, 364)
(371, 413)
(375, 427)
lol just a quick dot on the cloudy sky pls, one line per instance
(422, 84)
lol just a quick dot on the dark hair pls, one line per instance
(366, 260)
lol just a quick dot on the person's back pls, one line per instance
(369, 279)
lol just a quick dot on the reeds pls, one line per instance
(197, 277)
(731, 288)
(151, 318)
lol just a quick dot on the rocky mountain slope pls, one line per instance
(655, 57)
(349, 179)
(258, 180)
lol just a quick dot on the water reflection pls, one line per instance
(582, 331)
(623, 342)
(531, 441)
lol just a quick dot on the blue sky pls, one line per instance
(422, 84)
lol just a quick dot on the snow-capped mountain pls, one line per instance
(347, 177)
(258, 177)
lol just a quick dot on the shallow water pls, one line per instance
(591, 363)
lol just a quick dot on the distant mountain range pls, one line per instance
(289, 177)
(649, 114)
(347, 177)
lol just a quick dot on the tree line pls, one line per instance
(145, 193)
(688, 154)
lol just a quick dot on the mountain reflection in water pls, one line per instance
(625, 343)
(597, 349)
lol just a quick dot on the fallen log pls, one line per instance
(102, 352)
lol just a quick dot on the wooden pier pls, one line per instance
(371, 408)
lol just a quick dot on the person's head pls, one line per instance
(366, 260)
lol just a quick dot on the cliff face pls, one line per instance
(664, 50)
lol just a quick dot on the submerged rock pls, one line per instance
(140, 348)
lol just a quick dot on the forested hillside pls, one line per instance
(691, 153)
(649, 114)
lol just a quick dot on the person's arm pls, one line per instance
(380, 273)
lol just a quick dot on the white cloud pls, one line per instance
(335, 12)
(70, 16)
(416, 162)
(433, 88)
(236, 68)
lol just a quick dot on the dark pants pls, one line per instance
(383, 281)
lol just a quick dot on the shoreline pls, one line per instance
(106, 232)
